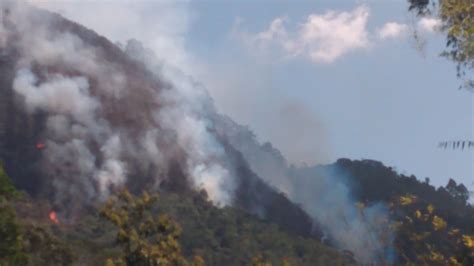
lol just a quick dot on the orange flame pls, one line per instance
(53, 217)
(40, 146)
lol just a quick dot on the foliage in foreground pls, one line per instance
(457, 17)
(207, 234)
(11, 246)
(431, 227)
(174, 230)
(146, 239)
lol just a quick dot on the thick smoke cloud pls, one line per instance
(162, 25)
(103, 121)
(114, 115)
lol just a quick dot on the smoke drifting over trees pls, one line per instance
(106, 115)
(109, 117)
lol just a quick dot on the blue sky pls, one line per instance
(361, 89)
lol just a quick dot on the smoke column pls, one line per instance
(116, 116)
(106, 115)
(323, 193)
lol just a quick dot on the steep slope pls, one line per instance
(427, 225)
(84, 118)
(372, 182)
(220, 236)
(392, 217)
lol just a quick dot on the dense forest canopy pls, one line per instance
(428, 225)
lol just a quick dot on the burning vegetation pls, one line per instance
(40, 146)
(53, 217)
(88, 119)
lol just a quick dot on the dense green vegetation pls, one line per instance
(173, 229)
(146, 239)
(432, 226)
(429, 226)
(11, 246)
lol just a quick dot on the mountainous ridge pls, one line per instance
(24, 130)
(308, 204)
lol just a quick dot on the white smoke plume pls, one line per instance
(328, 199)
(323, 194)
(104, 120)
(115, 117)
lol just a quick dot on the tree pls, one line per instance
(457, 191)
(43, 248)
(457, 17)
(146, 239)
(424, 237)
(11, 245)
(7, 189)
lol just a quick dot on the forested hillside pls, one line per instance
(205, 235)
(425, 230)
(112, 156)
(429, 225)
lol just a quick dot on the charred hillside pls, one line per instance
(108, 120)
(20, 132)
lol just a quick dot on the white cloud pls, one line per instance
(429, 24)
(392, 30)
(321, 37)
(327, 37)
(276, 31)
